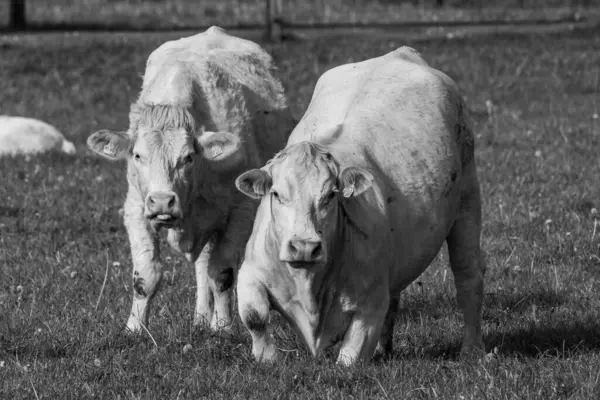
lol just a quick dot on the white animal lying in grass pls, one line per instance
(19, 135)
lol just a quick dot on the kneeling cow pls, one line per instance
(377, 174)
(210, 108)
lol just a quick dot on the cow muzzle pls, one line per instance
(299, 253)
(163, 208)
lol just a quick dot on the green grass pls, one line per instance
(60, 232)
(177, 13)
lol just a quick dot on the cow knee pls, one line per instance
(145, 282)
(255, 320)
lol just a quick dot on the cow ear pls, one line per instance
(223, 150)
(254, 183)
(110, 144)
(354, 181)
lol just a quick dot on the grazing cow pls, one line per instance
(375, 176)
(19, 135)
(210, 107)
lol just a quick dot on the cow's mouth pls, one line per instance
(164, 220)
(302, 264)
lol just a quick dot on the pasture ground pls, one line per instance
(61, 236)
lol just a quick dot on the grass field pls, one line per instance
(61, 236)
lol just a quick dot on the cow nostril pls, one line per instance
(316, 251)
(150, 201)
(171, 202)
(293, 249)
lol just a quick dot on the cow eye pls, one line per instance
(137, 157)
(329, 197)
(189, 159)
(276, 196)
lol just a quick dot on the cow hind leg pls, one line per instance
(468, 268)
(254, 307)
(385, 344)
(221, 282)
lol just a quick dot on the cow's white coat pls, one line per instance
(210, 107)
(376, 176)
(20, 135)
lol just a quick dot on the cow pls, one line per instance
(211, 106)
(22, 135)
(377, 174)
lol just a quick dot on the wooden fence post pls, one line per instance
(18, 19)
(272, 28)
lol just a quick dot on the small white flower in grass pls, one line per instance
(517, 268)
(595, 115)
(538, 153)
(450, 35)
(2, 364)
(19, 289)
(73, 274)
(38, 330)
(594, 212)
(99, 178)
(116, 264)
(187, 348)
(529, 132)
(60, 178)
(97, 362)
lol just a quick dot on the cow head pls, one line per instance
(305, 190)
(170, 160)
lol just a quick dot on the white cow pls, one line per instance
(376, 176)
(210, 107)
(20, 135)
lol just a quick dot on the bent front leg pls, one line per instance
(361, 338)
(254, 307)
(147, 268)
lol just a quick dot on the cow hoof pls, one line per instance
(222, 326)
(267, 356)
(133, 328)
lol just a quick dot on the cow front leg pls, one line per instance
(204, 296)
(360, 340)
(147, 268)
(254, 307)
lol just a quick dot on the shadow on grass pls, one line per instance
(560, 340)
(562, 336)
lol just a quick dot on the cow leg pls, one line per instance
(385, 344)
(147, 269)
(360, 340)
(468, 267)
(204, 296)
(254, 307)
(221, 276)
(225, 260)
